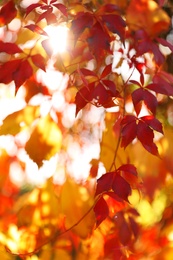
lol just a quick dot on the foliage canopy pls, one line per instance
(86, 129)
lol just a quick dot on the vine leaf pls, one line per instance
(10, 48)
(101, 210)
(7, 13)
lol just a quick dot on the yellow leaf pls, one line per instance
(45, 140)
(19, 120)
(76, 202)
(109, 144)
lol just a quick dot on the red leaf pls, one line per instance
(62, 8)
(49, 16)
(107, 70)
(110, 86)
(101, 211)
(150, 101)
(86, 72)
(39, 61)
(115, 24)
(135, 82)
(83, 97)
(134, 227)
(145, 44)
(129, 173)
(23, 73)
(82, 21)
(145, 135)
(99, 41)
(128, 133)
(104, 183)
(7, 13)
(143, 95)
(153, 122)
(10, 48)
(125, 234)
(35, 28)
(128, 119)
(121, 187)
(32, 7)
(100, 95)
(128, 168)
(161, 85)
(137, 97)
(7, 69)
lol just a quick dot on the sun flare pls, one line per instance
(58, 38)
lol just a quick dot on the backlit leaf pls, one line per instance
(128, 133)
(35, 28)
(104, 183)
(101, 211)
(121, 187)
(145, 135)
(19, 120)
(46, 139)
(39, 61)
(153, 122)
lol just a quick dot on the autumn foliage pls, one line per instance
(86, 131)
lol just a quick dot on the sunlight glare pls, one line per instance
(58, 38)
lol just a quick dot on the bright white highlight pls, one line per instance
(58, 38)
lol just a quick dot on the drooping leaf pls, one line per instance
(121, 187)
(128, 133)
(22, 73)
(104, 183)
(153, 122)
(19, 120)
(35, 28)
(46, 139)
(39, 61)
(7, 13)
(101, 210)
(145, 135)
(76, 204)
(142, 95)
(7, 69)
